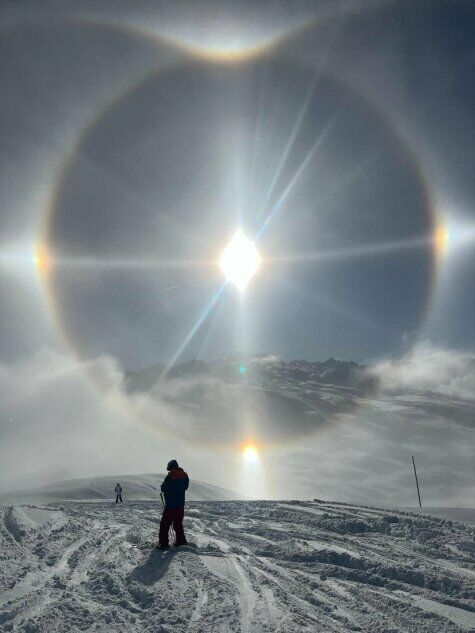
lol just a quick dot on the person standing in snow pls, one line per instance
(173, 488)
(118, 493)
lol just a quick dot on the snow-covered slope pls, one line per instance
(254, 567)
(134, 487)
(467, 515)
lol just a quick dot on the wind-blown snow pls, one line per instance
(254, 566)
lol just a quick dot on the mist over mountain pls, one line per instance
(355, 426)
(262, 368)
(330, 429)
(261, 397)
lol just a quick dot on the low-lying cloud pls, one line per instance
(430, 369)
(52, 422)
(61, 418)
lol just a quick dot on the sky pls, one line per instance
(139, 137)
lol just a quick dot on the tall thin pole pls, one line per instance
(91, 489)
(417, 483)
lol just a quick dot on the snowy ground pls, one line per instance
(254, 566)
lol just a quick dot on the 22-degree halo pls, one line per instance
(60, 207)
(240, 260)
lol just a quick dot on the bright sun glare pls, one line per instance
(240, 260)
(250, 455)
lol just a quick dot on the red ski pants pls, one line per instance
(169, 516)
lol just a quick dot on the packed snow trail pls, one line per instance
(253, 567)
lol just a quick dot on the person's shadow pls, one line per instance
(154, 567)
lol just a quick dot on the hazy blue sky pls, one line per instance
(133, 131)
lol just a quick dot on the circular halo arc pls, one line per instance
(43, 242)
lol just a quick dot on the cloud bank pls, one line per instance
(431, 369)
(61, 418)
(53, 424)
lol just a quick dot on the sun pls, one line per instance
(240, 260)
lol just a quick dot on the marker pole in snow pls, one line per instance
(417, 483)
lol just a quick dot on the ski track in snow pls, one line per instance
(258, 566)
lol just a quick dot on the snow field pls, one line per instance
(254, 566)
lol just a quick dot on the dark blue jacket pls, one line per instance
(174, 486)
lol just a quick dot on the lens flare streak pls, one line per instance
(301, 116)
(365, 250)
(199, 322)
(297, 174)
(119, 263)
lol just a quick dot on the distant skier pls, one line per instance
(173, 488)
(118, 493)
